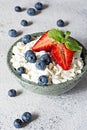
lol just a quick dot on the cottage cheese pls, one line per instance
(55, 73)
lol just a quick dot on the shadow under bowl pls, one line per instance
(53, 89)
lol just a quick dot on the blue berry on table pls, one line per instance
(26, 39)
(43, 80)
(21, 70)
(30, 56)
(39, 6)
(26, 117)
(12, 93)
(18, 123)
(46, 58)
(60, 23)
(41, 65)
(24, 22)
(12, 33)
(18, 9)
(31, 11)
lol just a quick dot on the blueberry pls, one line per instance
(41, 65)
(18, 123)
(43, 80)
(24, 22)
(60, 23)
(26, 117)
(26, 39)
(46, 58)
(30, 56)
(18, 9)
(21, 70)
(31, 11)
(12, 33)
(12, 93)
(39, 6)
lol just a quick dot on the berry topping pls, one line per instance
(41, 65)
(21, 70)
(12, 93)
(46, 58)
(59, 45)
(26, 117)
(18, 123)
(26, 39)
(24, 22)
(43, 80)
(62, 55)
(12, 33)
(30, 56)
(60, 23)
(18, 9)
(31, 11)
(39, 6)
(44, 43)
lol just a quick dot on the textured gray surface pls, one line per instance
(65, 112)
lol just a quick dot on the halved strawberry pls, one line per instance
(62, 55)
(44, 43)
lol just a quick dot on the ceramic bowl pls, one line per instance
(50, 89)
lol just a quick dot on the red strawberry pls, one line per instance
(62, 55)
(44, 43)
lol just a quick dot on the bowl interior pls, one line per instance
(50, 89)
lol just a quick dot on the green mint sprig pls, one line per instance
(61, 37)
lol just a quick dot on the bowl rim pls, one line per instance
(34, 36)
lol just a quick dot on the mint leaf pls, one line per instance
(63, 40)
(72, 45)
(67, 34)
(61, 37)
(56, 34)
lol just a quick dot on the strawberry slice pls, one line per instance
(44, 43)
(62, 55)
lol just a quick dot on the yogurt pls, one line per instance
(54, 71)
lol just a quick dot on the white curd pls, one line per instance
(55, 73)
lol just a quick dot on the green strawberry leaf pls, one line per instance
(72, 45)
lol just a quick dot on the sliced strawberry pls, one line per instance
(62, 55)
(44, 43)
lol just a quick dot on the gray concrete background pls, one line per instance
(65, 112)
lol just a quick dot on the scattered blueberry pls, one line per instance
(60, 23)
(30, 56)
(12, 33)
(31, 11)
(18, 123)
(26, 117)
(24, 22)
(46, 58)
(26, 39)
(12, 93)
(18, 9)
(21, 70)
(43, 80)
(41, 65)
(39, 6)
